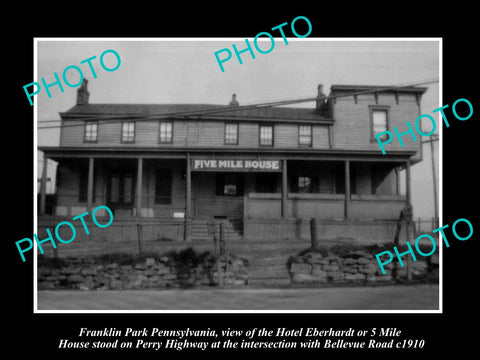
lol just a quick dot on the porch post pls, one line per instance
(347, 189)
(139, 187)
(284, 189)
(90, 184)
(408, 190)
(188, 200)
(43, 186)
(397, 181)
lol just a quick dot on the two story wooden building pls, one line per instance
(265, 170)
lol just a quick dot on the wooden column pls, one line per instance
(408, 182)
(188, 200)
(91, 163)
(43, 186)
(139, 187)
(347, 189)
(284, 189)
(397, 181)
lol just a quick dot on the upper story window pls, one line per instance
(91, 131)
(231, 134)
(266, 135)
(128, 131)
(166, 132)
(379, 121)
(305, 135)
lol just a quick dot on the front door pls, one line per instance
(121, 193)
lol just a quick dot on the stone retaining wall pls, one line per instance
(88, 274)
(354, 267)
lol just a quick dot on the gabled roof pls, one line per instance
(202, 111)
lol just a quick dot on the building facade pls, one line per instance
(265, 171)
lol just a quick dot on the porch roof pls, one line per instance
(62, 152)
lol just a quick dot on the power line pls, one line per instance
(220, 109)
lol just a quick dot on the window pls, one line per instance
(231, 134)
(266, 135)
(91, 131)
(128, 131)
(166, 132)
(305, 135)
(163, 187)
(379, 121)
(229, 184)
(304, 183)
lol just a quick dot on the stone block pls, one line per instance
(169, 277)
(364, 260)
(126, 267)
(150, 262)
(70, 270)
(141, 266)
(300, 278)
(335, 275)
(162, 270)
(89, 271)
(349, 270)
(318, 272)
(355, 277)
(300, 268)
(330, 267)
(115, 284)
(313, 257)
(46, 285)
(112, 266)
(350, 261)
(150, 272)
(368, 269)
(75, 278)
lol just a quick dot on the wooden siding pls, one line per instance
(191, 133)
(352, 129)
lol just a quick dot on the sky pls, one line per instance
(186, 71)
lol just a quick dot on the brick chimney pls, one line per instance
(234, 101)
(320, 97)
(83, 93)
(324, 107)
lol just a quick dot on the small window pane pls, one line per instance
(379, 121)
(91, 130)
(305, 135)
(166, 132)
(304, 184)
(231, 134)
(128, 131)
(266, 135)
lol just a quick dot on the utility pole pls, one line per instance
(434, 174)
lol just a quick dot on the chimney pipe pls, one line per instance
(234, 101)
(82, 93)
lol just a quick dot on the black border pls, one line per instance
(452, 330)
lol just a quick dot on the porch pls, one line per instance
(350, 196)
